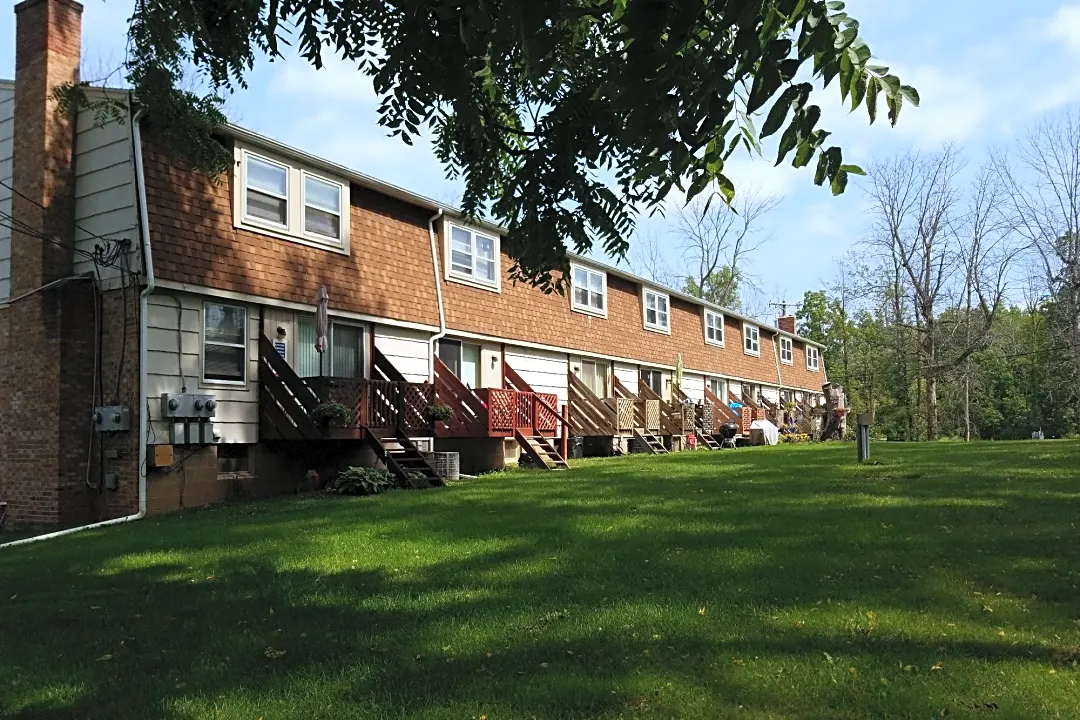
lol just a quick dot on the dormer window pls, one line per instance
(472, 256)
(276, 196)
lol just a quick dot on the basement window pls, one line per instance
(234, 458)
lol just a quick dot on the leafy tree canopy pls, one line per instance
(563, 118)
(720, 288)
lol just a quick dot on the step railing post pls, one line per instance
(565, 433)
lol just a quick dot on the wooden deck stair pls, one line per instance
(541, 451)
(652, 442)
(707, 440)
(403, 459)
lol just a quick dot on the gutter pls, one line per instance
(438, 295)
(144, 420)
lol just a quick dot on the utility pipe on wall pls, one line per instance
(144, 226)
(438, 296)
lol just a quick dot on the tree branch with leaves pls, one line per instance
(564, 119)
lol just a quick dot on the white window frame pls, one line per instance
(343, 218)
(493, 286)
(588, 309)
(785, 343)
(655, 327)
(210, 382)
(756, 351)
(815, 352)
(295, 202)
(708, 340)
(253, 219)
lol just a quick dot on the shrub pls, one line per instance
(362, 481)
(794, 438)
(437, 412)
(331, 414)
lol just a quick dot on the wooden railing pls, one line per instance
(470, 418)
(285, 401)
(380, 404)
(721, 412)
(670, 421)
(590, 415)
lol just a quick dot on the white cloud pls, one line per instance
(1065, 26)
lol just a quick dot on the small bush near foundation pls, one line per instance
(362, 481)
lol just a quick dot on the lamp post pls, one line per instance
(864, 420)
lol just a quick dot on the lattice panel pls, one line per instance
(652, 414)
(417, 400)
(705, 417)
(626, 414)
(545, 419)
(747, 418)
(688, 415)
(502, 408)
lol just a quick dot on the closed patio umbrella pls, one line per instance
(322, 323)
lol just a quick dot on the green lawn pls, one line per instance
(759, 583)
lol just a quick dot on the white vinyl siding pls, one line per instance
(545, 371)
(407, 350)
(627, 375)
(472, 256)
(106, 199)
(751, 339)
(786, 354)
(714, 328)
(656, 309)
(694, 387)
(589, 290)
(813, 358)
(237, 416)
(7, 133)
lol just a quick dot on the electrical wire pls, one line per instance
(77, 225)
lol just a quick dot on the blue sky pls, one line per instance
(985, 70)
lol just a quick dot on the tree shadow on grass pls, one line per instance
(663, 589)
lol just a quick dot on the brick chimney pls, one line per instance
(46, 335)
(786, 323)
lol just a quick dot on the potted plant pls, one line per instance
(437, 412)
(331, 414)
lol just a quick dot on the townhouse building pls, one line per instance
(158, 324)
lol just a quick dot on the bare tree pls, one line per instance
(1041, 178)
(715, 240)
(939, 248)
(646, 258)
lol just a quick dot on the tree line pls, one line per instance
(959, 312)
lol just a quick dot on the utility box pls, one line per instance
(203, 406)
(112, 418)
(161, 455)
(188, 405)
(178, 433)
(205, 433)
(176, 405)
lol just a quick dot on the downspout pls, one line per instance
(776, 358)
(144, 227)
(438, 295)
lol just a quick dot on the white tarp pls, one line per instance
(770, 435)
